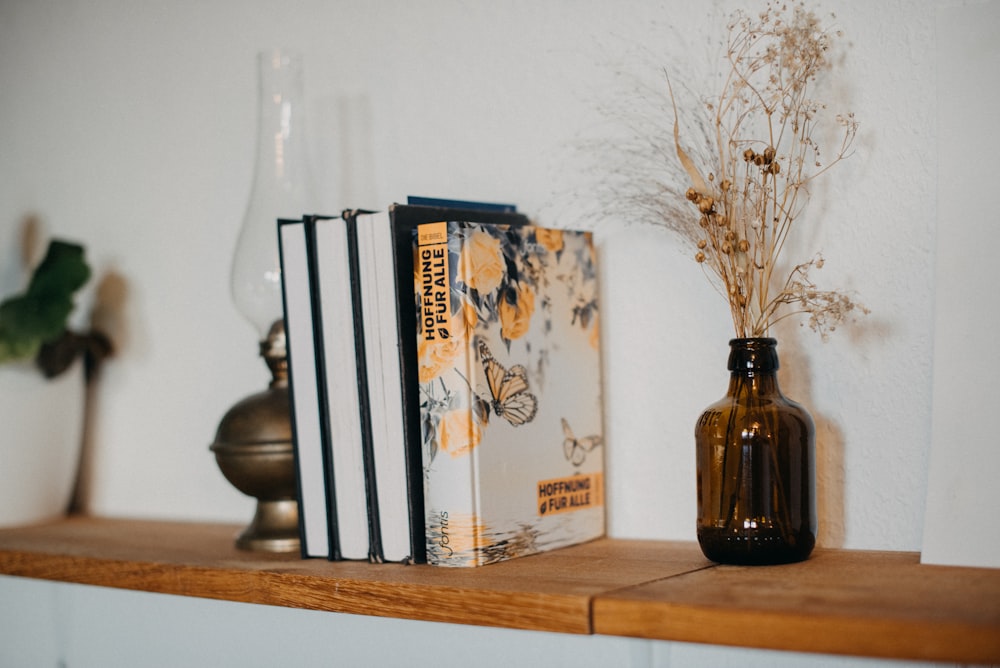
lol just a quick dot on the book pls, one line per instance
(334, 288)
(388, 321)
(465, 205)
(307, 438)
(509, 380)
(318, 297)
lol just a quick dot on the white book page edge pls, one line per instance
(341, 371)
(385, 394)
(305, 404)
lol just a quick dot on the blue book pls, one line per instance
(460, 204)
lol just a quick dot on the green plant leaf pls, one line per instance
(62, 272)
(12, 349)
(39, 315)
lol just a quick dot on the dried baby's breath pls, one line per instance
(749, 190)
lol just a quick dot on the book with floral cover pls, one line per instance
(510, 390)
(389, 366)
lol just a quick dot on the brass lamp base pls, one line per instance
(269, 529)
(253, 448)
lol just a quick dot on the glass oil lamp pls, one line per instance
(253, 443)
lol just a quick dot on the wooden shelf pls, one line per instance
(879, 604)
(876, 604)
(547, 592)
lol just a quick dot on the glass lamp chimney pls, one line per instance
(282, 188)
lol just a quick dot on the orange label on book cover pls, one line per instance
(434, 283)
(564, 495)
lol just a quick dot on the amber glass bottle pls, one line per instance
(756, 466)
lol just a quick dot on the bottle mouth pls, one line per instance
(753, 354)
(754, 341)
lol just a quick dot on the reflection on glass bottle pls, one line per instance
(756, 466)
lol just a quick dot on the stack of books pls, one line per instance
(444, 365)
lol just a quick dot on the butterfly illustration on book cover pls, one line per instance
(509, 396)
(576, 449)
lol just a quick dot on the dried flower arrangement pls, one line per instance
(761, 154)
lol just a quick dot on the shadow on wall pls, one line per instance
(103, 332)
(107, 315)
(796, 383)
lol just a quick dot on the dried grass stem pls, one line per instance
(749, 196)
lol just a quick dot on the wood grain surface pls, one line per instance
(550, 591)
(878, 604)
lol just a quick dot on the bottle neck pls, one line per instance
(753, 366)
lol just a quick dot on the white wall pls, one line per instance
(963, 458)
(130, 126)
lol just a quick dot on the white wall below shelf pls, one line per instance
(78, 626)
